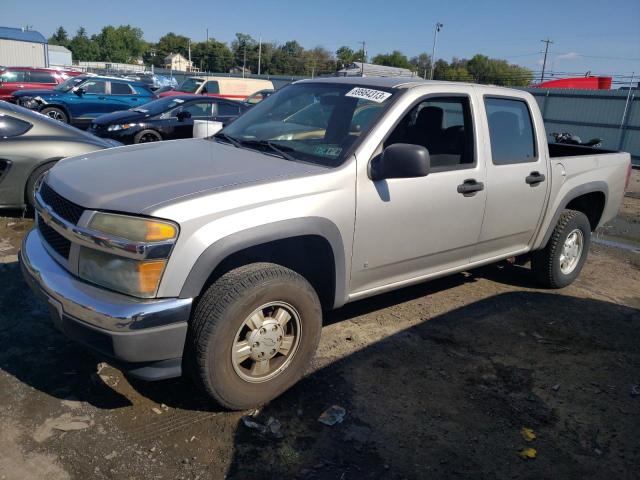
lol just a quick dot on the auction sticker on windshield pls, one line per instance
(377, 96)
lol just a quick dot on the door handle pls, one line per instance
(534, 178)
(470, 186)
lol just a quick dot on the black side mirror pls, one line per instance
(183, 115)
(400, 160)
(79, 91)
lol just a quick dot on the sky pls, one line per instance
(598, 36)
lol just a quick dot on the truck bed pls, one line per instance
(567, 150)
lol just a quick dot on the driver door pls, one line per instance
(410, 228)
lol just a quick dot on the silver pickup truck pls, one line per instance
(216, 257)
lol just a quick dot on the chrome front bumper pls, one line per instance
(115, 325)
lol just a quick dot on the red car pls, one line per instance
(25, 78)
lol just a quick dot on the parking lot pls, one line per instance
(437, 380)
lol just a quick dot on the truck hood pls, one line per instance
(134, 179)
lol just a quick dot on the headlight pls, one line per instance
(124, 126)
(135, 229)
(139, 278)
(28, 102)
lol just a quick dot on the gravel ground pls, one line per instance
(437, 381)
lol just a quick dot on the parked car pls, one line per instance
(30, 144)
(215, 257)
(153, 81)
(224, 87)
(14, 79)
(258, 96)
(164, 119)
(88, 98)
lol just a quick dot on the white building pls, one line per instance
(175, 61)
(23, 48)
(59, 56)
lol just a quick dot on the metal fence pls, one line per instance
(611, 115)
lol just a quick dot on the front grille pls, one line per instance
(56, 241)
(60, 205)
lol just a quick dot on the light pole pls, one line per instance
(433, 50)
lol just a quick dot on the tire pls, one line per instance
(56, 113)
(219, 323)
(32, 182)
(146, 136)
(551, 266)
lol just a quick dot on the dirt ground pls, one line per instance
(437, 381)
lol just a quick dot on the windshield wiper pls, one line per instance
(228, 138)
(281, 150)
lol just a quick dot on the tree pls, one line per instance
(421, 64)
(121, 44)
(170, 43)
(60, 37)
(393, 59)
(212, 56)
(83, 48)
(345, 57)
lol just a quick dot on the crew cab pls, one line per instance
(82, 99)
(216, 257)
(13, 79)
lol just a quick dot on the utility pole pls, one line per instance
(544, 62)
(433, 50)
(207, 35)
(244, 63)
(190, 64)
(364, 56)
(259, 53)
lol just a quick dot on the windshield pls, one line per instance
(69, 84)
(190, 85)
(313, 122)
(159, 106)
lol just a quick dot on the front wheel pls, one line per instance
(146, 136)
(55, 113)
(253, 334)
(562, 259)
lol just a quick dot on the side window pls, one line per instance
(228, 110)
(41, 77)
(121, 89)
(12, 127)
(510, 131)
(444, 126)
(94, 86)
(211, 87)
(14, 76)
(198, 109)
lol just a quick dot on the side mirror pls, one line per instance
(206, 128)
(183, 115)
(79, 91)
(400, 160)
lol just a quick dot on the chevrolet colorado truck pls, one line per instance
(216, 257)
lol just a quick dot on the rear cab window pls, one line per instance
(511, 131)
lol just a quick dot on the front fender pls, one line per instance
(226, 246)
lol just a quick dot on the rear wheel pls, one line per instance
(562, 259)
(146, 136)
(55, 113)
(253, 334)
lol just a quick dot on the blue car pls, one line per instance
(81, 99)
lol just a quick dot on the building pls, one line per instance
(59, 56)
(175, 61)
(23, 48)
(372, 70)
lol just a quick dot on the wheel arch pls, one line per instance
(589, 198)
(311, 246)
(48, 161)
(61, 106)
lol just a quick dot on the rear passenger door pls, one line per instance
(39, 80)
(517, 176)
(121, 96)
